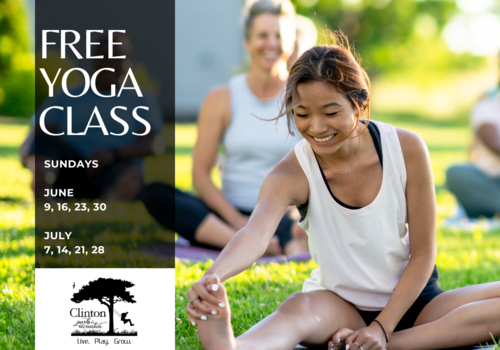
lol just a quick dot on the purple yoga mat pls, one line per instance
(199, 254)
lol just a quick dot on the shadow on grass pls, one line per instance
(15, 120)
(13, 233)
(14, 200)
(183, 151)
(9, 151)
(16, 250)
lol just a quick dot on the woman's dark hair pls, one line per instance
(334, 63)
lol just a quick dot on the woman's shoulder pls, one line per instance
(217, 105)
(290, 164)
(415, 154)
(218, 94)
(289, 175)
(412, 145)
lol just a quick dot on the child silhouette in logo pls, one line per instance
(124, 320)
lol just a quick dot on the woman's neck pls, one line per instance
(267, 83)
(353, 147)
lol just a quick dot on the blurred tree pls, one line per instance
(392, 35)
(13, 34)
(16, 61)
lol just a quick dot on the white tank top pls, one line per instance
(251, 147)
(361, 253)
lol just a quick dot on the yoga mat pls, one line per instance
(192, 253)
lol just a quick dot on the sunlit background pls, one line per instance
(431, 58)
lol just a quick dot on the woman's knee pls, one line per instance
(296, 304)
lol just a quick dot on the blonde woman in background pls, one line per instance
(232, 117)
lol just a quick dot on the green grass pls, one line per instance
(17, 244)
(464, 258)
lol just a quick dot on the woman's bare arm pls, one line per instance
(214, 118)
(488, 133)
(286, 185)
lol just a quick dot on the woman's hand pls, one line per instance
(338, 339)
(367, 338)
(201, 302)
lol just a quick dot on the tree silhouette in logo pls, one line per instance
(109, 292)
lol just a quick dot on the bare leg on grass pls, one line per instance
(459, 317)
(308, 318)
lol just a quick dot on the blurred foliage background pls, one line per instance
(429, 59)
(17, 62)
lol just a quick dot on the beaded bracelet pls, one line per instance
(383, 330)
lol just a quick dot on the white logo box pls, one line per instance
(152, 314)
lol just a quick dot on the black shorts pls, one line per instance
(190, 211)
(409, 318)
(83, 185)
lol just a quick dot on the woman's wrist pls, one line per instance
(378, 324)
(387, 324)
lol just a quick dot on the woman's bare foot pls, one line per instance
(215, 332)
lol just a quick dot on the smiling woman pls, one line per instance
(376, 283)
(231, 116)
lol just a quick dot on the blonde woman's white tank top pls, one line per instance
(361, 253)
(252, 145)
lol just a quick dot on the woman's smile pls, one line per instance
(324, 140)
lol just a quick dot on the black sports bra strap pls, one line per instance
(375, 134)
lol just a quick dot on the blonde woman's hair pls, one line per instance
(255, 8)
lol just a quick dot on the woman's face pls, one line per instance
(324, 117)
(272, 39)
